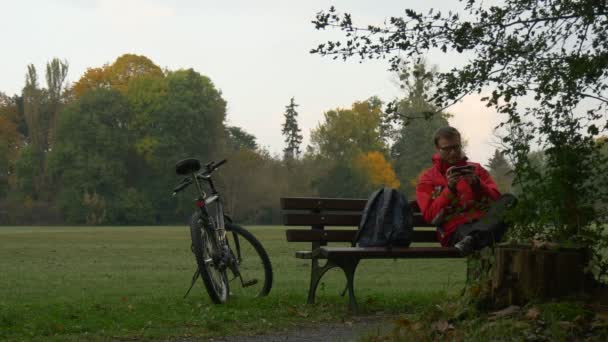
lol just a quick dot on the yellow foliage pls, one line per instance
(378, 170)
(117, 75)
(93, 78)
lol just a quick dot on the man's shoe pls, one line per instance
(466, 245)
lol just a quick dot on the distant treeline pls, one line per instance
(102, 150)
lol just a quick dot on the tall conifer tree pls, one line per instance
(501, 171)
(291, 131)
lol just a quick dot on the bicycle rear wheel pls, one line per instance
(252, 261)
(208, 258)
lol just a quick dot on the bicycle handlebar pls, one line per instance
(211, 167)
(182, 185)
(220, 163)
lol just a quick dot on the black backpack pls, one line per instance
(387, 220)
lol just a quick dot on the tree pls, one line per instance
(344, 136)
(93, 78)
(252, 198)
(546, 65)
(117, 75)
(414, 128)
(342, 180)
(89, 160)
(41, 107)
(239, 139)
(291, 132)
(10, 142)
(345, 133)
(56, 73)
(378, 170)
(501, 171)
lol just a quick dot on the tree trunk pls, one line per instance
(522, 273)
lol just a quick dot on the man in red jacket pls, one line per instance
(460, 197)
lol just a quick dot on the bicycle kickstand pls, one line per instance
(197, 273)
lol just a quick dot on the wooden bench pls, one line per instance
(318, 213)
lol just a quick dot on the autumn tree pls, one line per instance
(378, 170)
(117, 75)
(345, 133)
(291, 132)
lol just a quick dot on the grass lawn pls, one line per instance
(98, 283)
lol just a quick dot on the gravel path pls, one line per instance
(351, 330)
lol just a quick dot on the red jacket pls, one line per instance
(446, 210)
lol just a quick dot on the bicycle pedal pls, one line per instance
(250, 283)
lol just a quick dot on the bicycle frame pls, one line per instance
(203, 201)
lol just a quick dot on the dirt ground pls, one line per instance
(353, 329)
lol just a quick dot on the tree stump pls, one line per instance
(522, 273)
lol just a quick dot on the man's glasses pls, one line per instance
(448, 149)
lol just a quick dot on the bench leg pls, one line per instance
(349, 266)
(316, 273)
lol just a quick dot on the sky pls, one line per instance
(255, 52)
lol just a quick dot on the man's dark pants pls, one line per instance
(490, 228)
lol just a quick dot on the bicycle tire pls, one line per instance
(254, 263)
(214, 278)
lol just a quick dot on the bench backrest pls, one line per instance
(317, 213)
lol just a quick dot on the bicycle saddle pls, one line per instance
(187, 166)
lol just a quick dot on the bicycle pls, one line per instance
(217, 252)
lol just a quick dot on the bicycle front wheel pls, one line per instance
(208, 258)
(252, 263)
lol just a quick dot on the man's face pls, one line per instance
(449, 149)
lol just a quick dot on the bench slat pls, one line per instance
(329, 235)
(387, 253)
(305, 203)
(319, 204)
(335, 220)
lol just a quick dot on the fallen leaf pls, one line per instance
(416, 326)
(298, 312)
(441, 326)
(403, 322)
(504, 312)
(580, 320)
(566, 325)
(533, 313)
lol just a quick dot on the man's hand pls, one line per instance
(453, 180)
(473, 180)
